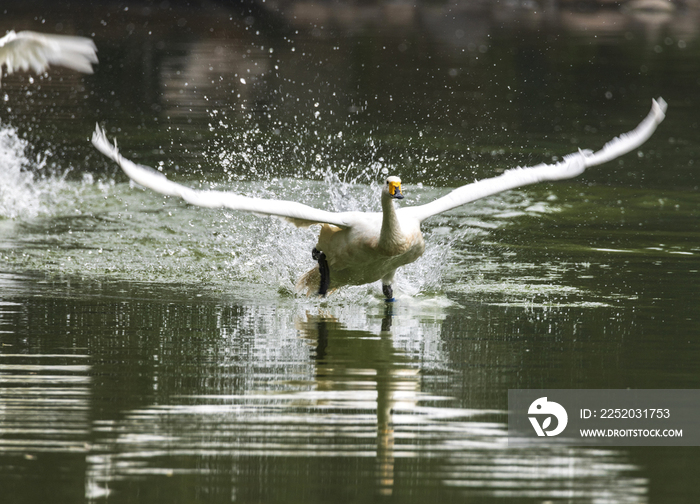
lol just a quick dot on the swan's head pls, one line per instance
(393, 187)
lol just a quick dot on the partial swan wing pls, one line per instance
(571, 166)
(297, 213)
(27, 49)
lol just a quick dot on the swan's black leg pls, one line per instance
(388, 293)
(324, 270)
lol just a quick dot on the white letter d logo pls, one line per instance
(542, 406)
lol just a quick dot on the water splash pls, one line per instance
(20, 195)
(101, 228)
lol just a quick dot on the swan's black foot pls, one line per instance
(388, 293)
(324, 270)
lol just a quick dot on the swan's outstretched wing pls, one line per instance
(26, 49)
(571, 166)
(297, 213)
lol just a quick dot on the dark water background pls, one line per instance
(154, 352)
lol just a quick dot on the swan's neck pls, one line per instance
(391, 239)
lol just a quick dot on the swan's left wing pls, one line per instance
(297, 213)
(571, 166)
(27, 49)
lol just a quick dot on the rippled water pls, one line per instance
(156, 352)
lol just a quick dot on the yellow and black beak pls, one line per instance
(395, 190)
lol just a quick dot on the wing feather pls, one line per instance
(297, 213)
(571, 166)
(31, 50)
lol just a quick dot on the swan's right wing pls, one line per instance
(297, 213)
(571, 166)
(27, 49)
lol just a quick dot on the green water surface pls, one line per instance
(155, 352)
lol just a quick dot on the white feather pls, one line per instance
(571, 166)
(37, 51)
(297, 213)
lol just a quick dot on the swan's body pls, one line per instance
(356, 248)
(27, 49)
(370, 249)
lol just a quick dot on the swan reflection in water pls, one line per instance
(310, 398)
(350, 361)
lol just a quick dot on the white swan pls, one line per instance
(27, 49)
(356, 248)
